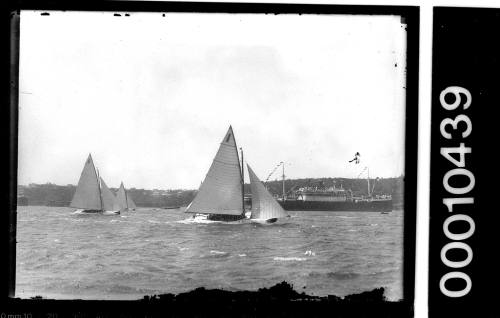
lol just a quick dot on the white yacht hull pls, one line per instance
(220, 218)
(82, 211)
(200, 217)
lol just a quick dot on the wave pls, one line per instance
(27, 220)
(196, 221)
(217, 252)
(388, 270)
(299, 259)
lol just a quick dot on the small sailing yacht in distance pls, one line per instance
(265, 209)
(220, 197)
(89, 197)
(109, 202)
(125, 202)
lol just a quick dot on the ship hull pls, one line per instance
(225, 217)
(219, 217)
(360, 206)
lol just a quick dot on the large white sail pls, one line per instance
(109, 202)
(221, 191)
(87, 195)
(130, 202)
(123, 199)
(264, 206)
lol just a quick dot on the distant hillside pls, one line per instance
(60, 195)
(56, 195)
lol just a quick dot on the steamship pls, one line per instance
(334, 199)
(321, 198)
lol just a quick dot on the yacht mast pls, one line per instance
(100, 192)
(242, 180)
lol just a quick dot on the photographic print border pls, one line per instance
(410, 15)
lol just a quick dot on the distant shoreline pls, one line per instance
(50, 194)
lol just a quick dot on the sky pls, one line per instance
(152, 96)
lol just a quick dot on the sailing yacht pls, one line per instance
(220, 196)
(125, 202)
(265, 208)
(92, 195)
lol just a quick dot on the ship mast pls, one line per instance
(368, 180)
(242, 180)
(283, 167)
(99, 186)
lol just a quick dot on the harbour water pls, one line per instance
(153, 251)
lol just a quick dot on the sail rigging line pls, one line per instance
(364, 169)
(274, 170)
(367, 179)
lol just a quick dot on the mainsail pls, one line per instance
(109, 202)
(87, 194)
(221, 191)
(130, 202)
(264, 206)
(123, 199)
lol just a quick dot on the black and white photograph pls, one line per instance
(161, 152)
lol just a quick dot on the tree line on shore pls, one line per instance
(50, 194)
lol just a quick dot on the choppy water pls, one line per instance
(146, 252)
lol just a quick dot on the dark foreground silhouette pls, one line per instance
(280, 300)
